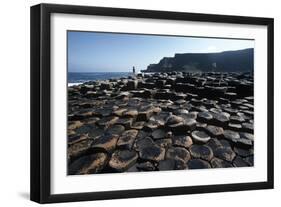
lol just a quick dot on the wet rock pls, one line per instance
(78, 149)
(249, 160)
(126, 122)
(220, 119)
(183, 127)
(200, 137)
(178, 153)
(121, 160)
(244, 143)
(138, 125)
(214, 131)
(151, 125)
(115, 129)
(145, 166)
(127, 139)
(231, 135)
(219, 163)
(226, 154)
(119, 111)
(107, 121)
(214, 144)
(152, 152)
(239, 162)
(164, 143)
(247, 136)
(182, 141)
(74, 125)
(130, 113)
(143, 143)
(88, 164)
(243, 152)
(106, 142)
(235, 127)
(77, 138)
(237, 119)
(198, 164)
(248, 127)
(166, 165)
(202, 152)
(144, 114)
(173, 120)
(204, 116)
(132, 85)
(159, 134)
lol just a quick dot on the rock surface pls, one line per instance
(161, 121)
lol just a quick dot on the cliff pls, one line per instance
(228, 61)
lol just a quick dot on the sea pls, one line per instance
(76, 78)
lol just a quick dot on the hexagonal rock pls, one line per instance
(214, 144)
(145, 166)
(204, 116)
(107, 121)
(173, 119)
(119, 112)
(247, 136)
(164, 143)
(126, 122)
(231, 135)
(144, 114)
(130, 113)
(106, 142)
(76, 138)
(198, 164)
(166, 164)
(143, 143)
(219, 163)
(159, 134)
(138, 125)
(74, 124)
(239, 162)
(122, 160)
(183, 127)
(116, 129)
(248, 127)
(243, 152)
(220, 119)
(152, 152)
(127, 139)
(79, 148)
(182, 141)
(178, 153)
(244, 143)
(201, 152)
(88, 164)
(200, 137)
(214, 130)
(226, 154)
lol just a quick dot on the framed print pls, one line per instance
(133, 103)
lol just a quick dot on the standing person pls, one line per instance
(134, 70)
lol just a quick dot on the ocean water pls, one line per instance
(78, 78)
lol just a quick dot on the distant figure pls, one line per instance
(134, 70)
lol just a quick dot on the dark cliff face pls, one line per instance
(228, 61)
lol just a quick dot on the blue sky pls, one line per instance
(114, 52)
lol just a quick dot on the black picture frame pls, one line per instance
(41, 96)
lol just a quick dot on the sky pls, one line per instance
(115, 52)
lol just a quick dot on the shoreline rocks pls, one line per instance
(161, 121)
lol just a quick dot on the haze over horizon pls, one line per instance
(115, 52)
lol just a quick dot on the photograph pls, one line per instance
(151, 102)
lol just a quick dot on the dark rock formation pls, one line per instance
(161, 121)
